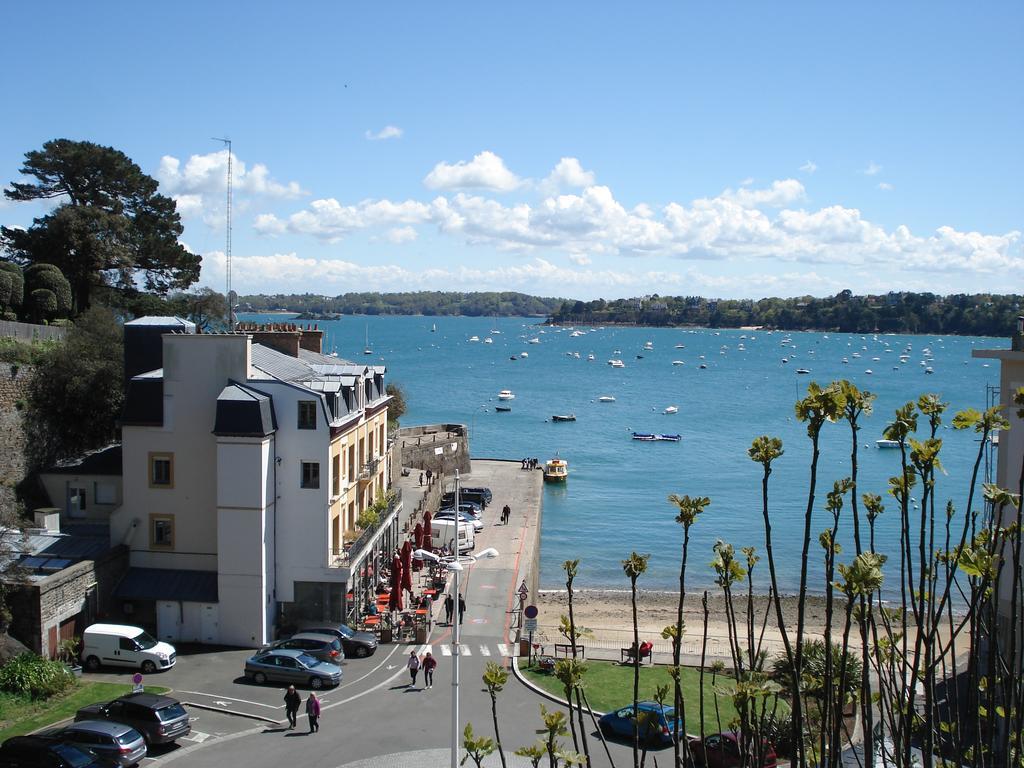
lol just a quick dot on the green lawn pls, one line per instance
(610, 686)
(19, 715)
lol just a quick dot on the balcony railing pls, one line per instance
(369, 469)
(341, 558)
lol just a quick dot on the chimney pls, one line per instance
(312, 339)
(283, 337)
(1017, 342)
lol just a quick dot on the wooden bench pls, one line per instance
(566, 650)
(626, 656)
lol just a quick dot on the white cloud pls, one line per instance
(873, 169)
(399, 235)
(568, 174)
(750, 223)
(809, 167)
(199, 187)
(885, 186)
(485, 171)
(387, 132)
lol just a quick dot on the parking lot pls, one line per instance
(222, 702)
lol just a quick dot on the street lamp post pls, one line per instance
(455, 563)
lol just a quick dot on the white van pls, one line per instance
(443, 534)
(119, 645)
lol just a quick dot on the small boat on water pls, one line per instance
(803, 370)
(702, 366)
(643, 436)
(649, 346)
(672, 409)
(506, 394)
(590, 358)
(433, 328)
(616, 363)
(606, 399)
(474, 338)
(488, 340)
(886, 443)
(524, 354)
(669, 438)
(556, 470)
(565, 417)
(680, 346)
(650, 437)
(678, 362)
(502, 408)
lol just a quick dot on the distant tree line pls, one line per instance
(435, 303)
(894, 312)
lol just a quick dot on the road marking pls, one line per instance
(485, 651)
(486, 586)
(427, 649)
(465, 650)
(478, 621)
(227, 701)
(503, 650)
(446, 650)
(197, 736)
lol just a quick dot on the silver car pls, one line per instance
(283, 665)
(115, 741)
(449, 514)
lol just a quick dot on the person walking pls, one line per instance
(413, 665)
(421, 478)
(313, 712)
(291, 706)
(429, 665)
(449, 608)
(506, 513)
(462, 607)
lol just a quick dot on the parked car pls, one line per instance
(320, 646)
(36, 751)
(121, 645)
(117, 742)
(658, 730)
(722, 750)
(160, 719)
(485, 492)
(466, 496)
(449, 514)
(469, 509)
(283, 665)
(357, 644)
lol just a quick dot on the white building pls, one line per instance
(248, 458)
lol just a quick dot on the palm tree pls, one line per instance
(495, 676)
(634, 566)
(689, 508)
(571, 568)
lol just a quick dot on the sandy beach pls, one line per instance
(607, 613)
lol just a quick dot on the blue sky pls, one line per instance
(570, 149)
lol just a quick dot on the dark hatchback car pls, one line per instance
(485, 492)
(356, 644)
(325, 647)
(160, 719)
(722, 750)
(117, 742)
(45, 752)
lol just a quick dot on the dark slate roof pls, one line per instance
(166, 584)
(144, 402)
(245, 412)
(103, 461)
(280, 365)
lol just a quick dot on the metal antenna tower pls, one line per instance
(227, 245)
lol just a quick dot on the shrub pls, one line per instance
(44, 304)
(35, 677)
(17, 283)
(50, 278)
(5, 289)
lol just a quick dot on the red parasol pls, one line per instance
(417, 537)
(395, 598)
(407, 565)
(428, 537)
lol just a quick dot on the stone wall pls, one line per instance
(74, 597)
(419, 446)
(13, 391)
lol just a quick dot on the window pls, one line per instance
(336, 475)
(161, 531)
(104, 493)
(369, 448)
(310, 474)
(126, 644)
(161, 470)
(307, 414)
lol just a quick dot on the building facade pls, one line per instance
(248, 460)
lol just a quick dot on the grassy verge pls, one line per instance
(20, 715)
(610, 686)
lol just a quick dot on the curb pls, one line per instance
(233, 712)
(541, 692)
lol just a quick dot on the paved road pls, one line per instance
(375, 719)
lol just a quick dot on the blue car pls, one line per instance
(657, 729)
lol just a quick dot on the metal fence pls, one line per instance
(29, 332)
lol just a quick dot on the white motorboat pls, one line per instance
(488, 340)
(606, 399)
(534, 340)
(649, 346)
(678, 362)
(590, 358)
(885, 443)
(474, 338)
(506, 394)
(671, 409)
(616, 363)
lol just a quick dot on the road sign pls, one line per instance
(530, 625)
(530, 612)
(523, 590)
(136, 678)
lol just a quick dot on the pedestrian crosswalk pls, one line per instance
(470, 649)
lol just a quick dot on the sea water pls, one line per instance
(615, 500)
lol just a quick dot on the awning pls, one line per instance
(165, 584)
